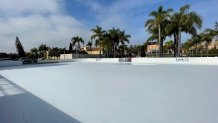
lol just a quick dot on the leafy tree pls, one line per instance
(54, 52)
(70, 48)
(142, 50)
(20, 50)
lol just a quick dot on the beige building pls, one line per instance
(152, 49)
(91, 51)
(211, 45)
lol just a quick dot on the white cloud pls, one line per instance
(14, 7)
(121, 14)
(37, 22)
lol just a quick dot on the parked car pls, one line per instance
(27, 61)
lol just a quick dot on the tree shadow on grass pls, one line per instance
(20, 106)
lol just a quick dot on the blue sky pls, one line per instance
(54, 22)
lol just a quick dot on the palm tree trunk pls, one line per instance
(175, 45)
(111, 50)
(161, 48)
(179, 43)
(196, 49)
(107, 51)
(122, 51)
(100, 51)
(207, 48)
(159, 40)
(114, 51)
(79, 48)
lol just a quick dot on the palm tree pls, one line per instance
(77, 40)
(169, 45)
(195, 41)
(187, 47)
(208, 36)
(124, 38)
(43, 50)
(114, 35)
(34, 54)
(107, 44)
(89, 44)
(98, 36)
(184, 21)
(164, 34)
(159, 17)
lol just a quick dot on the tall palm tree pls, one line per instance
(114, 35)
(98, 36)
(164, 34)
(89, 44)
(107, 44)
(77, 40)
(124, 38)
(184, 21)
(159, 17)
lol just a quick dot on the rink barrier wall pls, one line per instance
(182, 60)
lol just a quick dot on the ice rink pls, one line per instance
(78, 92)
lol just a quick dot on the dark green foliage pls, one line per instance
(112, 42)
(70, 48)
(213, 52)
(34, 54)
(142, 50)
(42, 50)
(89, 44)
(12, 56)
(168, 47)
(20, 50)
(54, 52)
(157, 26)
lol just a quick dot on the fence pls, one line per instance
(183, 55)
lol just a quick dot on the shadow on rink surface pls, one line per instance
(20, 106)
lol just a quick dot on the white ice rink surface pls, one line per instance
(120, 93)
